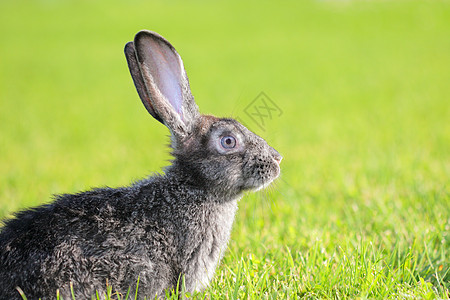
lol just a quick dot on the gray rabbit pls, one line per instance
(159, 229)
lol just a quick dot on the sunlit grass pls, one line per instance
(362, 209)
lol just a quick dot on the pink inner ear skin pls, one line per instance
(171, 89)
(165, 68)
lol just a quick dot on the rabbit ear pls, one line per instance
(161, 81)
(130, 54)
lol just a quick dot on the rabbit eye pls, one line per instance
(228, 142)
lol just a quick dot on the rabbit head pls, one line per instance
(218, 154)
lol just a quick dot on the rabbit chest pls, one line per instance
(206, 242)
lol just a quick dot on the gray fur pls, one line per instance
(158, 229)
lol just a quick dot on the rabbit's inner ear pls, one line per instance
(166, 70)
(166, 81)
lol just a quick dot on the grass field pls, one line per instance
(362, 209)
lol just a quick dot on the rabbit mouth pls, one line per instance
(263, 178)
(264, 185)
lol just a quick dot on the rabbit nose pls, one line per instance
(276, 155)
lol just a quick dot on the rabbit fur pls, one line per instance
(159, 229)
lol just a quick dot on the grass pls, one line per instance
(362, 209)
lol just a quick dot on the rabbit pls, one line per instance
(157, 231)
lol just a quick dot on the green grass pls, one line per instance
(362, 209)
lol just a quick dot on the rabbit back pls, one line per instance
(147, 231)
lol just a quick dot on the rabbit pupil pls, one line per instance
(228, 142)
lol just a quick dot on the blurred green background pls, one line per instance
(364, 88)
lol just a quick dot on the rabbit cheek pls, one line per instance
(229, 173)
